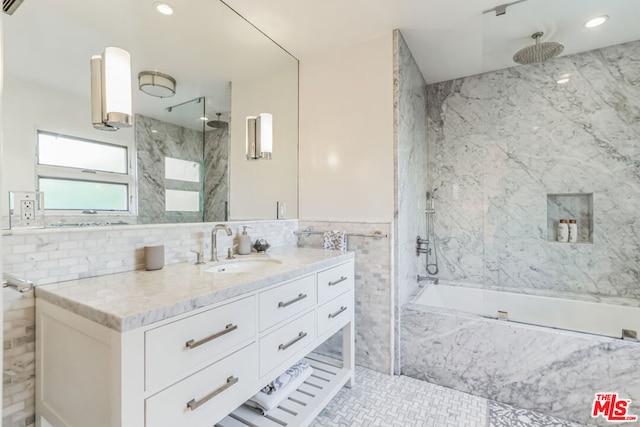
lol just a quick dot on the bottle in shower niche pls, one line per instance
(563, 231)
(573, 231)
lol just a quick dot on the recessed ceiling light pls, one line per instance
(594, 22)
(164, 8)
(204, 119)
(563, 81)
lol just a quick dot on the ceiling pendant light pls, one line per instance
(111, 89)
(158, 84)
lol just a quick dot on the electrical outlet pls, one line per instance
(28, 210)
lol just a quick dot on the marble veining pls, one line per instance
(410, 186)
(129, 300)
(551, 371)
(216, 174)
(155, 140)
(373, 292)
(500, 142)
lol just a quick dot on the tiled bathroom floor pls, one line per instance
(398, 401)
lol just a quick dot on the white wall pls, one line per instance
(28, 108)
(256, 186)
(346, 133)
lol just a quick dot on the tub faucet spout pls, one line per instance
(214, 239)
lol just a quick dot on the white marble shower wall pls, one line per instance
(155, 140)
(216, 174)
(501, 142)
(410, 152)
(373, 291)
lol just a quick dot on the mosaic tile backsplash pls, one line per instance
(373, 291)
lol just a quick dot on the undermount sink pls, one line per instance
(244, 266)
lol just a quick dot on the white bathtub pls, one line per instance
(602, 318)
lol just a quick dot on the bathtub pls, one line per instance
(566, 312)
(551, 355)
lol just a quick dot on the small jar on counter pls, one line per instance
(573, 231)
(563, 231)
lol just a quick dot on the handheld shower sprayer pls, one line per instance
(430, 251)
(431, 196)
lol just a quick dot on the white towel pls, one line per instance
(289, 375)
(266, 402)
(335, 239)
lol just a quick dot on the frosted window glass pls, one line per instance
(57, 150)
(68, 194)
(182, 201)
(181, 170)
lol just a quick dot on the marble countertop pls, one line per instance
(129, 300)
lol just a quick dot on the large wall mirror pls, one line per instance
(184, 157)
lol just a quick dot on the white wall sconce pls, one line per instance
(158, 84)
(111, 89)
(260, 137)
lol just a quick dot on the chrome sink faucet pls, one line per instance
(214, 239)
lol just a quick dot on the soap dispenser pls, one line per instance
(244, 245)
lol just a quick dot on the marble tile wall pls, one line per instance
(216, 174)
(547, 370)
(500, 142)
(373, 291)
(155, 140)
(410, 163)
(52, 255)
(19, 371)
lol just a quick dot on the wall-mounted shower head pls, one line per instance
(539, 52)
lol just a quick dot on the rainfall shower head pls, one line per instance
(218, 124)
(539, 52)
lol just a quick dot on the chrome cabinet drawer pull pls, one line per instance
(340, 280)
(342, 309)
(229, 328)
(298, 298)
(193, 404)
(300, 336)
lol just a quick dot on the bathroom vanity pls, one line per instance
(184, 346)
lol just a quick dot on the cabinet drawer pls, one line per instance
(207, 396)
(335, 281)
(335, 314)
(280, 303)
(173, 349)
(281, 344)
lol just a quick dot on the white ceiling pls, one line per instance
(448, 38)
(204, 45)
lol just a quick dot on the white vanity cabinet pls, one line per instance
(196, 369)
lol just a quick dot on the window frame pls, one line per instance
(79, 174)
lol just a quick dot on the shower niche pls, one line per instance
(578, 206)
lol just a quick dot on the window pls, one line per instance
(78, 174)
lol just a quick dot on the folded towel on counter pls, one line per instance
(264, 402)
(289, 375)
(335, 239)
